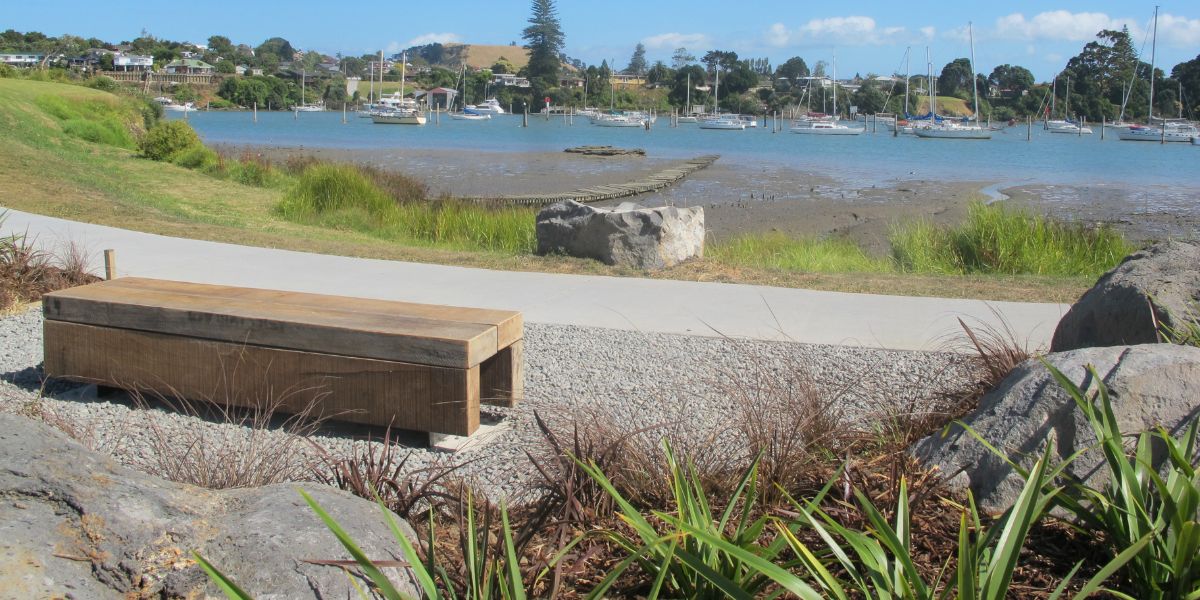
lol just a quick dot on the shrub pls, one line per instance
(168, 138)
(252, 170)
(103, 83)
(198, 157)
(7, 72)
(329, 188)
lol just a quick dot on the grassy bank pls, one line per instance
(65, 157)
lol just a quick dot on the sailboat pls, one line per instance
(405, 110)
(826, 127)
(304, 106)
(1067, 125)
(687, 116)
(468, 112)
(717, 120)
(1167, 132)
(948, 129)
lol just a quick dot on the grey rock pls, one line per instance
(1149, 384)
(1164, 278)
(74, 522)
(629, 235)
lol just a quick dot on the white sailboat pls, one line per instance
(687, 116)
(305, 106)
(830, 127)
(718, 121)
(1167, 131)
(952, 130)
(405, 111)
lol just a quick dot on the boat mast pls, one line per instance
(1153, 45)
(688, 106)
(929, 84)
(835, 112)
(907, 76)
(974, 79)
(717, 91)
(403, 65)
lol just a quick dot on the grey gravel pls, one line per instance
(682, 386)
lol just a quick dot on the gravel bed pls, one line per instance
(687, 387)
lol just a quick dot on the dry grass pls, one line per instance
(27, 271)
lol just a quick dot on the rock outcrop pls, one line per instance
(1150, 384)
(1160, 284)
(76, 524)
(629, 235)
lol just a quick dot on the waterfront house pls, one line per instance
(509, 79)
(626, 80)
(441, 98)
(132, 62)
(190, 66)
(22, 59)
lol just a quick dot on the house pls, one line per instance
(626, 80)
(509, 79)
(441, 97)
(570, 82)
(22, 60)
(132, 62)
(190, 66)
(89, 59)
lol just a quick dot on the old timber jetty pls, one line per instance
(652, 183)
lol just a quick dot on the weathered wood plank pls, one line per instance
(502, 377)
(509, 324)
(368, 335)
(407, 396)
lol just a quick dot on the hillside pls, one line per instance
(479, 56)
(946, 105)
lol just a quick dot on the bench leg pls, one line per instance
(502, 377)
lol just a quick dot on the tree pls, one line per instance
(502, 66)
(955, 78)
(682, 58)
(106, 62)
(738, 80)
(1011, 79)
(792, 69)
(545, 41)
(868, 99)
(678, 95)
(819, 68)
(221, 46)
(719, 58)
(1188, 75)
(226, 67)
(637, 63)
(659, 73)
(277, 47)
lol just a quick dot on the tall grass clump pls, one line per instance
(1007, 241)
(98, 121)
(328, 188)
(447, 222)
(780, 252)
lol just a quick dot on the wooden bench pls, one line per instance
(413, 366)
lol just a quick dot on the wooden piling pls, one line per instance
(1103, 124)
(110, 264)
(1029, 129)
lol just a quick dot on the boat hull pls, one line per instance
(1155, 135)
(953, 134)
(417, 119)
(827, 131)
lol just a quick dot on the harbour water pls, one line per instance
(868, 159)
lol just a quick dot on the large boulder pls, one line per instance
(76, 524)
(629, 235)
(1159, 284)
(1150, 385)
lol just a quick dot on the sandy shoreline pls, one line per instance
(743, 199)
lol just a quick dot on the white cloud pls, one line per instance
(434, 38)
(1058, 25)
(1178, 31)
(928, 32)
(671, 41)
(852, 30)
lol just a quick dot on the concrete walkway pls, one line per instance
(683, 307)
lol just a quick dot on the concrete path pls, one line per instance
(683, 307)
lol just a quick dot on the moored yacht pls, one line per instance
(491, 106)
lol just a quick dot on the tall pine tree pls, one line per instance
(545, 40)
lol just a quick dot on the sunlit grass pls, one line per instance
(778, 251)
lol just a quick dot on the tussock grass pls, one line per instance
(100, 121)
(778, 251)
(999, 240)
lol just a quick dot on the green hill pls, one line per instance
(946, 105)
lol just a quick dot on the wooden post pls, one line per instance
(1103, 124)
(525, 118)
(1082, 124)
(343, 113)
(1162, 130)
(110, 265)
(256, 112)
(1029, 129)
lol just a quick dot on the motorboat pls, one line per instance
(823, 127)
(1168, 133)
(491, 106)
(724, 122)
(1068, 127)
(952, 130)
(618, 120)
(469, 116)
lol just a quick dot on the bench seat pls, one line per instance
(413, 366)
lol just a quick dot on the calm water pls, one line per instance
(865, 159)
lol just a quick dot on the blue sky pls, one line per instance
(869, 37)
